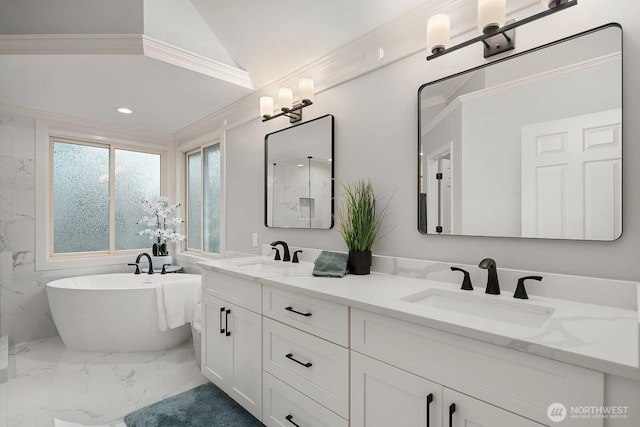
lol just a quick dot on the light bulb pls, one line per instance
(438, 29)
(491, 15)
(266, 106)
(305, 90)
(285, 98)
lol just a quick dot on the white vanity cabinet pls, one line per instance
(293, 356)
(383, 395)
(305, 360)
(487, 384)
(232, 338)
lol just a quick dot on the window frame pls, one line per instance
(112, 147)
(186, 250)
(79, 132)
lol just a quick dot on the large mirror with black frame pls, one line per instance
(527, 146)
(299, 175)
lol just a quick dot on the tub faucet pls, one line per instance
(137, 267)
(493, 287)
(149, 258)
(286, 256)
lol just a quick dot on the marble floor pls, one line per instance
(50, 385)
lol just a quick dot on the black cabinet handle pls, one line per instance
(297, 312)
(290, 419)
(226, 322)
(429, 400)
(306, 365)
(221, 312)
(452, 409)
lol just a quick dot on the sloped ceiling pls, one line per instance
(167, 88)
(272, 38)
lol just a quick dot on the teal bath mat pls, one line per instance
(205, 405)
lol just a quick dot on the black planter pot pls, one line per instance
(359, 262)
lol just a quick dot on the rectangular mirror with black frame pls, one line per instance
(527, 146)
(299, 175)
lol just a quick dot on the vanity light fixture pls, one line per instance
(285, 101)
(496, 36)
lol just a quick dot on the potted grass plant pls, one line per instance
(359, 223)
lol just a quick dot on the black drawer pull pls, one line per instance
(306, 365)
(429, 400)
(221, 313)
(297, 312)
(226, 322)
(290, 419)
(452, 409)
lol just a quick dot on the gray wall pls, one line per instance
(376, 137)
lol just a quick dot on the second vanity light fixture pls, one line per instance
(285, 101)
(496, 36)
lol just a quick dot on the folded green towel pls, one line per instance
(330, 264)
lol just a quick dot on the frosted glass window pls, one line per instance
(211, 199)
(85, 178)
(194, 203)
(203, 204)
(137, 177)
(80, 198)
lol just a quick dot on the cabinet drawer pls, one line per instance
(513, 380)
(317, 368)
(319, 317)
(244, 293)
(284, 406)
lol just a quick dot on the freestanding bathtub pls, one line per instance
(113, 312)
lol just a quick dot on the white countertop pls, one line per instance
(597, 337)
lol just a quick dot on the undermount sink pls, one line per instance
(259, 264)
(480, 305)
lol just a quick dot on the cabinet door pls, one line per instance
(216, 352)
(231, 351)
(473, 412)
(244, 335)
(383, 396)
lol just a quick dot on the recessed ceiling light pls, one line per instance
(124, 110)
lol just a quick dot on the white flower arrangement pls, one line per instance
(161, 224)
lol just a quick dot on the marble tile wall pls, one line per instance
(23, 306)
(24, 310)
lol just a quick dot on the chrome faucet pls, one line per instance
(286, 256)
(493, 287)
(149, 258)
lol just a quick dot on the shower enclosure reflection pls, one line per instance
(299, 176)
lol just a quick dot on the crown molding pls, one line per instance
(157, 49)
(121, 44)
(71, 44)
